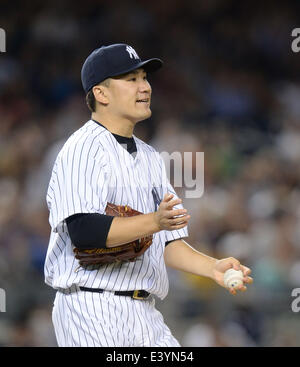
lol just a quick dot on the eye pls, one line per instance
(132, 79)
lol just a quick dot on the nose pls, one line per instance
(145, 87)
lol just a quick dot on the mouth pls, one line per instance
(143, 101)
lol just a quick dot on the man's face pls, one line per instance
(130, 96)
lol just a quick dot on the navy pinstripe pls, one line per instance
(92, 169)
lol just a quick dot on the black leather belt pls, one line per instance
(139, 294)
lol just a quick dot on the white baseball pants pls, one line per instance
(88, 319)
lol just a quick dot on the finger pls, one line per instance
(236, 265)
(241, 288)
(232, 291)
(179, 220)
(248, 280)
(176, 212)
(168, 197)
(174, 226)
(246, 271)
(178, 226)
(173, 203)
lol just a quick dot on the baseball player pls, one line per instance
(113, 305)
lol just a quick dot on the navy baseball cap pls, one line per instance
(113, 60)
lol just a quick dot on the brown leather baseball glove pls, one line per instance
(127, 252)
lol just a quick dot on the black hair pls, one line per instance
(91, 101)
(90, 98)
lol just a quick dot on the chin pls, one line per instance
(148, 113)
(144, 116)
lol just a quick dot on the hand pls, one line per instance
(222, 265)
(165, 214)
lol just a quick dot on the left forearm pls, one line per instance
(181, 256)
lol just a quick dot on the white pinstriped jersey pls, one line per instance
(92, 169)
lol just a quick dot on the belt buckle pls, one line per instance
(136, 295)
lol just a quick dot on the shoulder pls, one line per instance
(89, 139)
(144, 146)
(87, 144)
(149, 149)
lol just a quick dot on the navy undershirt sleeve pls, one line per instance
(89, 230)
(167, 242)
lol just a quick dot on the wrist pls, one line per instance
(212, 268)
(155, 220)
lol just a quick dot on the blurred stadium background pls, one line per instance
(230, 88)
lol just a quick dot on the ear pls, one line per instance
(100, 94)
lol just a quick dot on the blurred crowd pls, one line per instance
(229, 87)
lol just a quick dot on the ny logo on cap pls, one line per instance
(132, 52)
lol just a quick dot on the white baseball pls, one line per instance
(233, 278)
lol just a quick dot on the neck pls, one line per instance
(122, 127)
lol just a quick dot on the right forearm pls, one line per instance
(124, 230)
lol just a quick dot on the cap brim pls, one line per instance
(149, 66)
